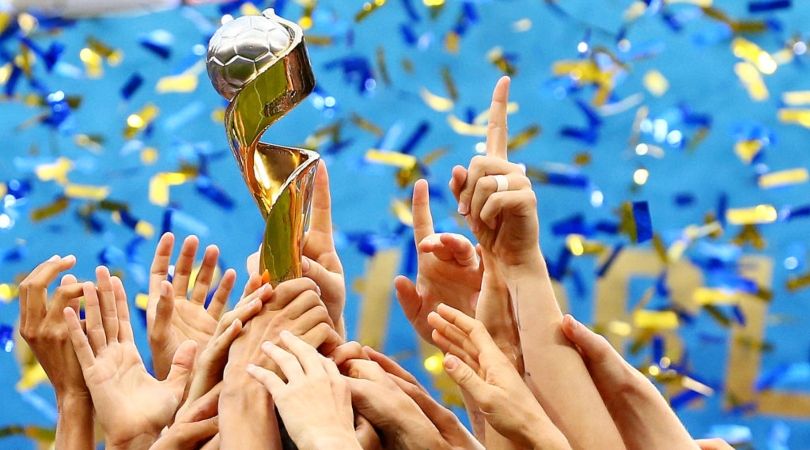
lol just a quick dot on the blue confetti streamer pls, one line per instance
(134, 82)
(641, 216)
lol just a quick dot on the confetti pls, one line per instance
(753, 215)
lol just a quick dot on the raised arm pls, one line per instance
(44, 329)
(500, 206)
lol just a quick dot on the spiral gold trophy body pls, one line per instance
(260, 64)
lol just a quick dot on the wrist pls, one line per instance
(73, 398)
(529, 264)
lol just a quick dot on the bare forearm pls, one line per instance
(74, 429)
(554, 370)
(247, 418)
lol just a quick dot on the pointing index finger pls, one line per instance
(497, 131)
(422, 220)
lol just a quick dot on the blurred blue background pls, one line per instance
(588, 147)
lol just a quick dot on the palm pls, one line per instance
(446, 281)
(191, 321)
(449, 271)
(125, 396)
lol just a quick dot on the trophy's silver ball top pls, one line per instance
(243, 48)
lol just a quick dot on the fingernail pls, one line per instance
(450, 362)
(463, 208)
(305, 265)
(53, 258)
(286, 334)
(255, 302)
(574, 323)
(68, 258)
(251, 368)
(164, 289)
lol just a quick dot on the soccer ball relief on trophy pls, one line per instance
(242, 48)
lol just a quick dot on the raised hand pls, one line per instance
(495, 195)
(245, 407)
(476, 363)
(314, 402)
(642, 415)
(449, 426)
(379, 399)
(131, 406)
(171, 316)
(449, 269)
(212, 359)
(196, 425)
(44, 329)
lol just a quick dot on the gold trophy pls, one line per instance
(260, 64)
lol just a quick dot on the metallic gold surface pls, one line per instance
(279, 177)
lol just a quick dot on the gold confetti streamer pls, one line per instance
(715, 296)
(796, 98)
(750, 235)
(523, 137)
(449, 84)
(435, 102)
(783, 178)
(306, 15)
(92, 142)
(795, 116)
(578, 245)
(496, 57)
(182, 83)
(366, 125)
(753, 215)
(747, 150)
(368, 8)
(752, 80)
(395, 159)
(87, 192)
(137, 122)
(56, 171)
(749, 51)
(50, 210)
(402, 210)
(452, 42)
(381, 65)
(463, 128)
(160, 183)
(657, 320)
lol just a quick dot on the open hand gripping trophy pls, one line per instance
(260, 64)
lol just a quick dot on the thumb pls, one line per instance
(595, 349)
(408, 297)
(182, 366)
(465, 377)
